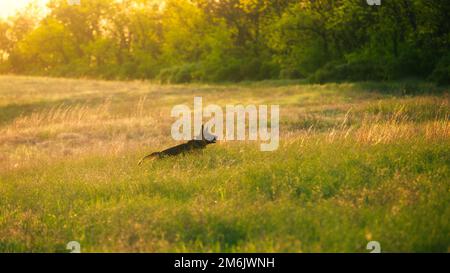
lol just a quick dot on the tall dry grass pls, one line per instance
(353, 165)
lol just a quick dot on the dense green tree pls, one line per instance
(231, 40)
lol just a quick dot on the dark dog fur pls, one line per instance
(182, 148)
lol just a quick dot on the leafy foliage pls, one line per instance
(231, 40)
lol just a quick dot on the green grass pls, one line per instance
(353, 165)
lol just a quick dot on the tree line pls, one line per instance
(231, 40)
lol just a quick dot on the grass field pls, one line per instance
(356, 162)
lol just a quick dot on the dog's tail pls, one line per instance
(150, 156)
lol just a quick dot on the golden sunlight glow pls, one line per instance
(10, 7)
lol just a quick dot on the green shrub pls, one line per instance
(290, 73)
(185, 73)
(181, 74)
(229, 71)
(348, 71)
(165, 75)
(441, 73)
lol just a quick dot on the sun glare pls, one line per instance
(10, 7)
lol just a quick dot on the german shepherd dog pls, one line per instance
(182, 148)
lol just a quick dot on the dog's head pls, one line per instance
(209, 139)
(212, 140)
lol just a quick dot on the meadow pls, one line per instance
(357, 162)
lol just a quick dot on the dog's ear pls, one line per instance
(203, 132)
